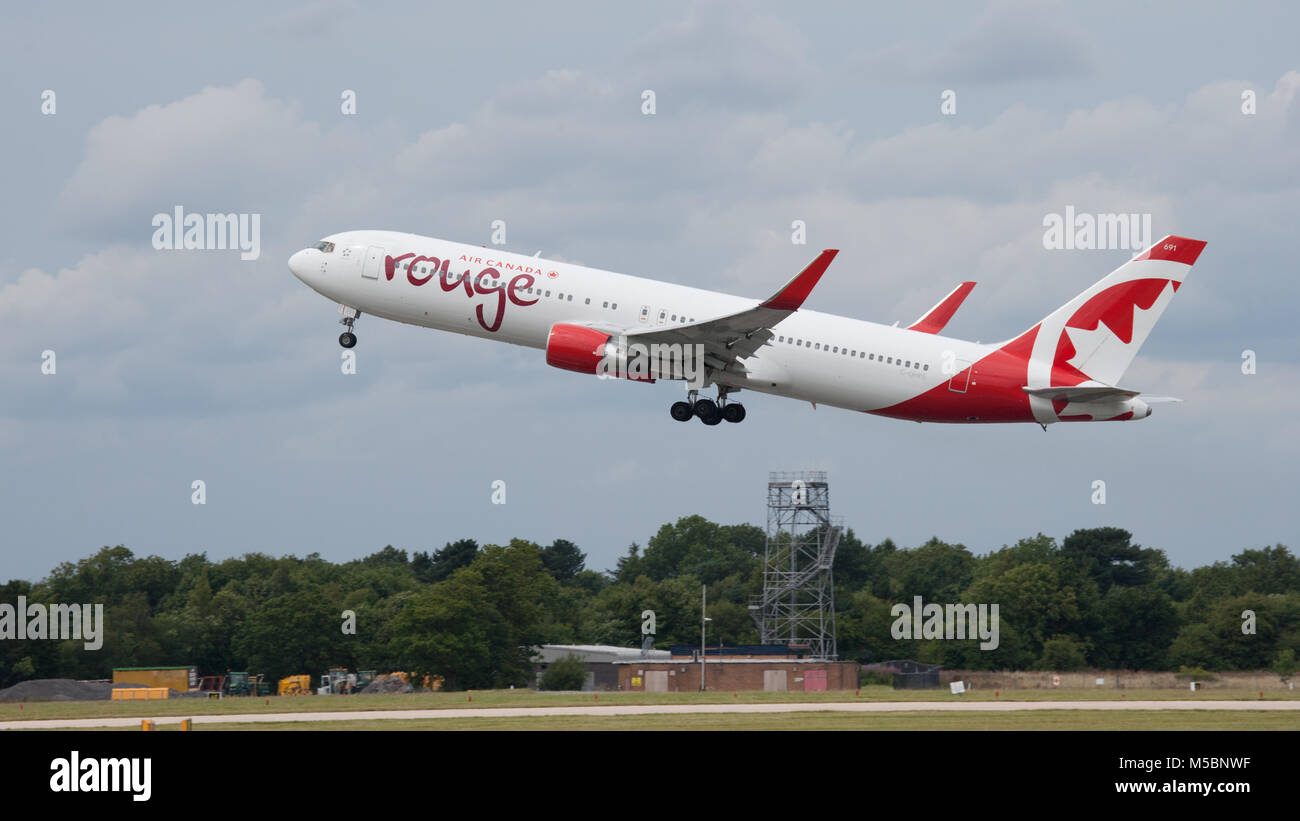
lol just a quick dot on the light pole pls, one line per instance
(704, 620)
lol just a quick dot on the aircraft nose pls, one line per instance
(300, 265)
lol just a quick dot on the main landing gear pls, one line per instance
(709, 412)
(348, 339)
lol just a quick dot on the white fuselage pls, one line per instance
(814, 356)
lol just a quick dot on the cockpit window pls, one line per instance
(327, 247)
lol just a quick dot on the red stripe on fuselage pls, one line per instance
(994, 390)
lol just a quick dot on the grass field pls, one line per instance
(528, 698)
(1188, 720)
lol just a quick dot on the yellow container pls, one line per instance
(177, 678)
(139, 693)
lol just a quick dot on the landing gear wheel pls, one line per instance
(709, 413)
(347, 339)
(681, 411)
(734, 413)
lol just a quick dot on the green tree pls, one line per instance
(449, 629)
(1064, 654)
(616, 612)
(293, 634)
(694, 546)
(936, 571)
(1137, 625)
(568, 673)
(1270, 570)
(863, 628)
(563, 560)
(452, 557)
(1032, 600)
(1284, 665)
(1108, 556)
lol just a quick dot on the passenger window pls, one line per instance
(613, 306)
(588, 300)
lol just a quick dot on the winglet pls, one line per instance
(797, 290)
(937, 317)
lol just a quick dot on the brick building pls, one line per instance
(598, 658)
(725, 673)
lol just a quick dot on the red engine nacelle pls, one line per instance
(575, 348)
(582, 349)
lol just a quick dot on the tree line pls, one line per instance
(470, 612)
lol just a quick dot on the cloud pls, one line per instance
(723, 58)
(311, 19)
(1010, 42)
(223, 149)
(171, 363)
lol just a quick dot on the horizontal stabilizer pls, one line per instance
(1082, 393)
(937, 317)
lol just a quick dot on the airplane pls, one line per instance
(1064, 368)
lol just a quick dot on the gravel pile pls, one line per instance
(63, 689)
(388, 684)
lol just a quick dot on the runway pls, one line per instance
(656, 709)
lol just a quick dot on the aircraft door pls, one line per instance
(961, 378)
(374, 262)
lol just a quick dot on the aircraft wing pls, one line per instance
(732, 338)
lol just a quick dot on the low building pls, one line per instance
(600, 660)
(773, 668)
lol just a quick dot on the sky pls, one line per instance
(177, 366)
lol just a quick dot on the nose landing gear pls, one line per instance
(350, 315)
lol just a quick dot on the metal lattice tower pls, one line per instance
(798, 602)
